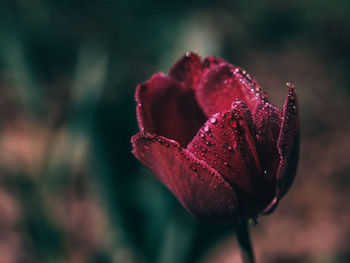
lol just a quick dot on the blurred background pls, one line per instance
(70, 189)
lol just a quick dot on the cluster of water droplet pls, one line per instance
(219, 138)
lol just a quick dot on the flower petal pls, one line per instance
(187, 69)
(167, 108)
(211, 61)
(288, 147)
(225, 144)
(199, 188)
(267, 119)
(223, 84)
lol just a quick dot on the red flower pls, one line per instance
(209, 134)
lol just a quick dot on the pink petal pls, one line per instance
(288, 147)
(167, 108)
(211, 61)
(225, 144)
(223, 84)
(267, 119)
(199, 188)
(187, 69)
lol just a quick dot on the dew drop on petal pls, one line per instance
(206, 128)
(234, 145)
(212, 120)
(234, 124)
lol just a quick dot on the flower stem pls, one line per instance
(244, 242)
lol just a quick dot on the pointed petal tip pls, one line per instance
(290, 84)
(291, 89)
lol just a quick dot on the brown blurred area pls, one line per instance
(70, 190)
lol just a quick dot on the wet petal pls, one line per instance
(288, 147)
(225, 144)
(267, 119)
(167, 108)
(199, 188)
(223, 84)
(212, 61)
(187, 69)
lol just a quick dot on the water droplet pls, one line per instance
(222, 126)
(225, 82)
(201, 134)
(194, 168)
(208, 143)
(212, 120)
(206, 128)
(226, 164)
(253, 221)
(234, 124)
(234, 145)
(230, 148)
(265, 172)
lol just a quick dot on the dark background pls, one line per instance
(70, 189)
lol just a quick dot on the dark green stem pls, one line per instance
(244, 242)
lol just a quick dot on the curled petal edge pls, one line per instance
(288, 147)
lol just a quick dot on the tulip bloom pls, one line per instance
(208, 132)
